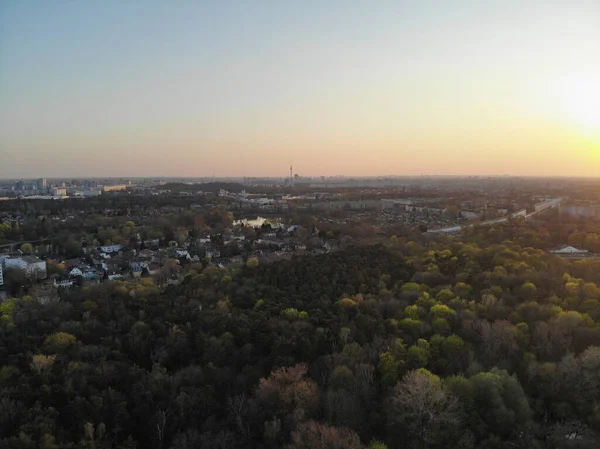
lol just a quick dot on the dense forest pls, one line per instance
(481, 341)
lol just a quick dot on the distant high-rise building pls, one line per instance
(42, 184)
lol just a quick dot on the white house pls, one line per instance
(110, 248)
(569, 250)
(182, 253)
(63, 282)
(75, 272)
(33, 266)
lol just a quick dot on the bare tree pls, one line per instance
(420, 403)
(160, 426)
(239, 407)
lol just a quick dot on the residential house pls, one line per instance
(109, 249)
(152, 243)
(146, 254)
(63, 282)
(182, 253)
(75, 272)
(137, 268)
(154, 269)
(113, 275)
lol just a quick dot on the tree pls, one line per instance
(59, 342)
(501, 403)
(287, 392)
(388, 368)
(342, 378)
(419, 354)
(376, 444)
(27, 248)
(313, 435)
(41, 364)
(421, 405)
(72, 248)
(252, 262)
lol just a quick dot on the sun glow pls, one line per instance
(579, 101)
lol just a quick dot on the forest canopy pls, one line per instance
(473, 343)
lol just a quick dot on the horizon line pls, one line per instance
(307, 177)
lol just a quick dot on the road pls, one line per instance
(539, 208)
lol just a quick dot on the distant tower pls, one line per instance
(291, 177)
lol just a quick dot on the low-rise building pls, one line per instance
(34, 267)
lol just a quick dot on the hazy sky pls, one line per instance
(197, 88)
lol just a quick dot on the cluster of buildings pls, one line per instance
(166, 265)
(44, 189)
(580, 211)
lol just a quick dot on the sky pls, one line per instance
(244, 88)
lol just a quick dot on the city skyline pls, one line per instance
(96, 89)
